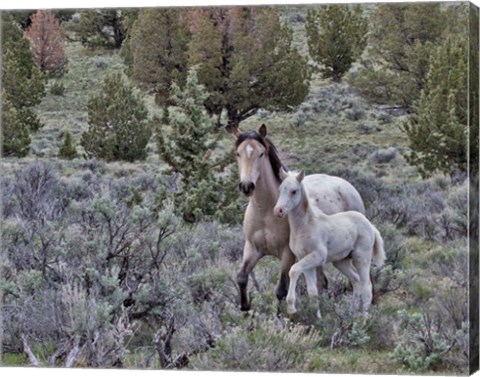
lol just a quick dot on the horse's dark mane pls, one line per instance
(269, 146)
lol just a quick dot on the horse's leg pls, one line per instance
(312, 289)
(312, 260)
(250, 258)
(288, 259)
(361, 261)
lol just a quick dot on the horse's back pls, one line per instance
(332, 194)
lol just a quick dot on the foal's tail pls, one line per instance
(378, 250)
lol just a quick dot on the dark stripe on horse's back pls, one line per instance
(269, 146)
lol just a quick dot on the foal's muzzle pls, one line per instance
(279, 212)
(247, 187)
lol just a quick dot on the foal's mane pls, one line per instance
(269, 147)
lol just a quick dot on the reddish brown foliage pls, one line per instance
(47, 41)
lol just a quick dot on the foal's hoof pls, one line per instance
(245, 307)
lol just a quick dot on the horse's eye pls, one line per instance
(294, 192)
(238, 154)
(261, 154)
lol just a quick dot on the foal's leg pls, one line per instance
(250, 258)
(312, 260)
(322, 282)
(312, 289)
(346, 267)
(361, 260)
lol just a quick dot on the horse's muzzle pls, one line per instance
(247, 188)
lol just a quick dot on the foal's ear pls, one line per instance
(262, 130)
(301, 175)
(283, 174)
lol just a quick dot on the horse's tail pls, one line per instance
(378, 249)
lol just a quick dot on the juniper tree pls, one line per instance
(23, 87)
(158, 46)
(437, 129)
(47, 42)
(119, 128)
(336, 36)
(102, 27)
(246, 61)
(16, 135)
(401, 38)
(67, 149)
(187, 146)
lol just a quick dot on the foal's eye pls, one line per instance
(261, 154)
(238, 154)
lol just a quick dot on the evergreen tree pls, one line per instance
(437, 129)
(187, 148)
(22, 81)
(67, 150)
(23, 87)
(337, 36)
(158, 46)
(102, 28)
(16, 135)
(401, 39)
(47, 42)
(246, 61)
(119, 128)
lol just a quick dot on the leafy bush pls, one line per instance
(57, 89)
(119, 128)
(67, 149)
(264, 345)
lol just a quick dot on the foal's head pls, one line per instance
(253, 150)
(290, 193)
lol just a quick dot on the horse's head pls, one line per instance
(290, 193)
(251, 149)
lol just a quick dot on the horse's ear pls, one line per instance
(283, 174)
(301, 175)
(263, 130)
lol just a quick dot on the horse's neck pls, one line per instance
(265, 194)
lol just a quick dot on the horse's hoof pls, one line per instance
(245, 307)
(319, 315)
(291, 311)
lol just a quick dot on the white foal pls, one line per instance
(317, 239)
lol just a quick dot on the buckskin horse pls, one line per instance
(266, 234)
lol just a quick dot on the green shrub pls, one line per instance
(119, 128)
(262, 345)
(67, 150)
(57, 89)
